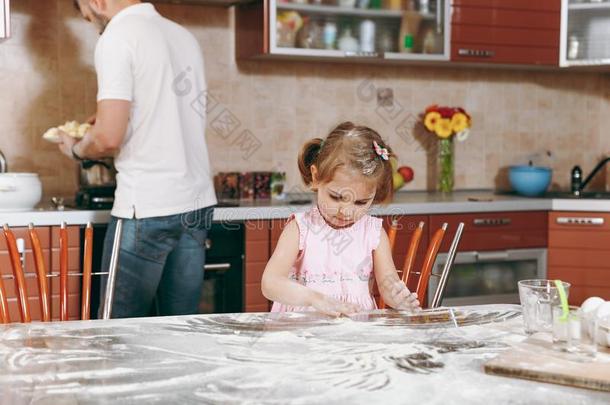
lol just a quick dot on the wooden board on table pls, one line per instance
(537, 360)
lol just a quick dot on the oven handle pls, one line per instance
(217, 266)
(501, 255)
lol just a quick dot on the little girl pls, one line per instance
(326, 256)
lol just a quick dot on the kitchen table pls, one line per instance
(380, 357)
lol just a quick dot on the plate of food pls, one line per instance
(72, 128)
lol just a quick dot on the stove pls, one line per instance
(95, 198)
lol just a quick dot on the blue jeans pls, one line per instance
(161, 260)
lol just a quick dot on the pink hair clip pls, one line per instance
(381, 152)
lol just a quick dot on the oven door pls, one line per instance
(488, 277)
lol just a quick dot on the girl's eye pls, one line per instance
(361, 202)
(335, 197)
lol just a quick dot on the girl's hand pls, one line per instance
(403, 298)
(330, 306)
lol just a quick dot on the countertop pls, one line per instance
(404, 203)
(293, 358)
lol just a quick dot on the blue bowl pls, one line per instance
(530, 180)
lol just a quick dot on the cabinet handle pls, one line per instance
(217, 266)
(479, 53)
(491, 221)
(580, 221)
(208, 244)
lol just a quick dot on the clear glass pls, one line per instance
(538, 297)
(488, 278)
(580, 334)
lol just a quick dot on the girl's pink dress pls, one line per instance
(335, 262)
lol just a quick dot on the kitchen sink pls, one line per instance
(600, 195)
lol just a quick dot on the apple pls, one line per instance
(406, 173)
(397, 180)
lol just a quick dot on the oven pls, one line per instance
(223, 282)
(488, 277)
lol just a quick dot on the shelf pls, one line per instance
(589, 6)
(346, 11)
(587, 62)
(374, 56)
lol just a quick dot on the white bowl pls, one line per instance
(19, 191)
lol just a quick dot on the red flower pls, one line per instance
(446, 112)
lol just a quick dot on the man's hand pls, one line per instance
(66, 143)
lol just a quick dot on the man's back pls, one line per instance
(163, 166)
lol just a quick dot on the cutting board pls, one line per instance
(536, 359)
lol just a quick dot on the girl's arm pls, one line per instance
(276, 286)
(393, 291)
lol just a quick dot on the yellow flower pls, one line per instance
(443, 128)
(459, 122)
(430, 120)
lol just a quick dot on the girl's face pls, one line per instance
(345, 199)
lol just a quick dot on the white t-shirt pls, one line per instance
(163, 165)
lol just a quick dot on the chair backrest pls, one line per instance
(18, 276)
(429, 259)
(41, 272)
(42, 275)
(409, 263)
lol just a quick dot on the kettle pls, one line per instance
(97, 173)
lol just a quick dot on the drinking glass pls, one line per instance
(537, 300)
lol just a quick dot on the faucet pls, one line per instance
(3, 166)
(576, 187)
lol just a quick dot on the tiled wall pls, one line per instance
(47, 77)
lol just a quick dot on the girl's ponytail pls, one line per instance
(307, 157)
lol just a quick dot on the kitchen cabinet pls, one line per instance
(294, 29)
(579, 253)
(585, 33)
(5, 19)
(49, 240)
(257, 253)
(506, 31)
(494, 230)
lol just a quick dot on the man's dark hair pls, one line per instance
(76, 5)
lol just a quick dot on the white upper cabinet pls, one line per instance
(585, 33)
(5, 19)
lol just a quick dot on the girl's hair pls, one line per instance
(349, 146)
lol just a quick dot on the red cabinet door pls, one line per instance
(506, 31)
(579, 253)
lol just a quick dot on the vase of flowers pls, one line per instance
(446, 123)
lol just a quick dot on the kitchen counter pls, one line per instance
(378, 357)
(404, 203)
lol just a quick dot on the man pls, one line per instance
(149, 71)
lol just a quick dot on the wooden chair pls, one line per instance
(429, 259)
(411, 252)
(42, 276)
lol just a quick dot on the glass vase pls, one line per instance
(445, 165)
